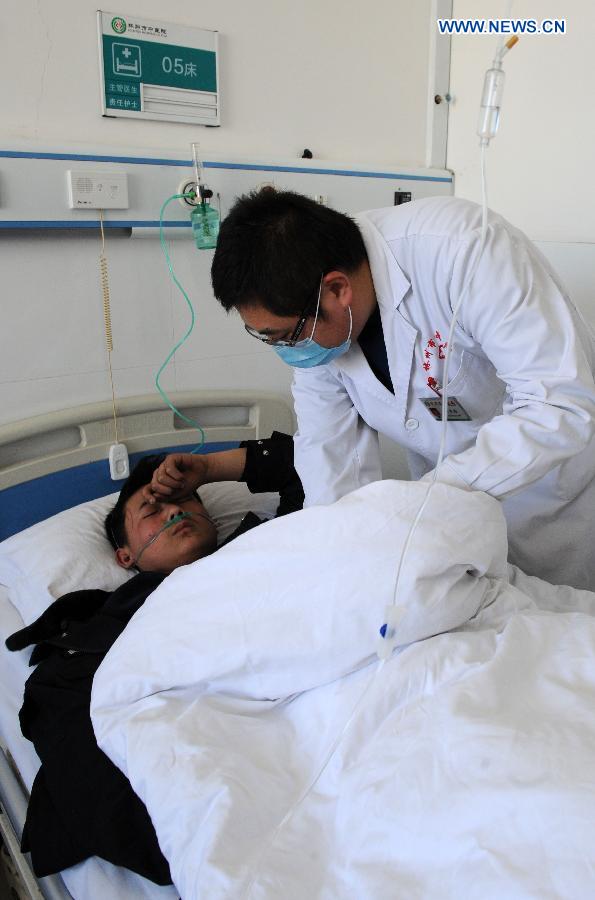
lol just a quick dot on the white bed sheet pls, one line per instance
(467, 770)
(94, 879)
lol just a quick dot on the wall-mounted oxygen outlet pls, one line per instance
(97, 190)
(186, 187)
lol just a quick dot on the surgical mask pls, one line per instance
(308, 353)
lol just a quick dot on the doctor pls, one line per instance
(362, 311)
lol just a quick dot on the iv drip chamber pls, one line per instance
(491, 101)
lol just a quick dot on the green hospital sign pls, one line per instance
(147, 73)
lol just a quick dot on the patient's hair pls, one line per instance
(274, 247)
(140, 475)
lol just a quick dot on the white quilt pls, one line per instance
(462, 768)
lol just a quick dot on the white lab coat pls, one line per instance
(522, 368)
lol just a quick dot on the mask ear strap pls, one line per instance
(350, 323)
(311, 338)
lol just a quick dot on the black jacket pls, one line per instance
(81, 805)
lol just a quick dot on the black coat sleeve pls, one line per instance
(79, 604)
(269, 467)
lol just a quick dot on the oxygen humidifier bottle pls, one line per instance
(205, 225)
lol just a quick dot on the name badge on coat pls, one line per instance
(456, 412)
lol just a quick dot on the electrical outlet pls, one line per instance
(97, 190)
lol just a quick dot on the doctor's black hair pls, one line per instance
(115, 527)
(274, 246)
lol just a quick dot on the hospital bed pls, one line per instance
(301, 769)
(53, 463)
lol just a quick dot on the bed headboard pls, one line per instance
(53, 462)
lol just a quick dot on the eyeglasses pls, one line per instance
(295, 335)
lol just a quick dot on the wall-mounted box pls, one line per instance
(97, 190)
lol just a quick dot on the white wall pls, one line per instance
(345, 80)
(540, 165)
(53, 349)
(348, 82)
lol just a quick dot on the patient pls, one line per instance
(81, 805)
(163, 489)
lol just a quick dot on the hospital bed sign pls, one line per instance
(157, 70)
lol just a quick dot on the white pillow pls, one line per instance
(229, 501)
(70, 552)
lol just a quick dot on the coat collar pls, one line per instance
(391, 287)
(390, 283)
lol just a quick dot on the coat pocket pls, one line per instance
(477, 387)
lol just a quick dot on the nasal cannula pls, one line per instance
(487, 127)
(173, 521)
(160, 389)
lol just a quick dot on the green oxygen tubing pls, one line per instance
(165, 398)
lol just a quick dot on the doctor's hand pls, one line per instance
(177, 477)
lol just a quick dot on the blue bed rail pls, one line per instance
(33, 501)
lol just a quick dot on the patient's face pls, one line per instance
(182, 543)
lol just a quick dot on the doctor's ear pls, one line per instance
(124, 558)
(339, 285)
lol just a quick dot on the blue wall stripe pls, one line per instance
(93, 223)
(84, 157)
(209, 164)
(33, 501)
(343, 172)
